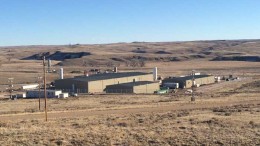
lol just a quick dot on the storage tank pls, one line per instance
(115, 69)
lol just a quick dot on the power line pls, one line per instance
(39, 85)
(192, 87)
(10, 81)
(45, 95)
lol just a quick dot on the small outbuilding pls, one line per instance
(64, 95)
(134, 87)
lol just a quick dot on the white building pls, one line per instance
(30, 87)
(49, 93)
(64, 95)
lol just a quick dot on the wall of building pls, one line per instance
(182, 83)
(119, 89)
(147, 88)
(81, 87)
(200, 81)
(206, 80)
(66, 85)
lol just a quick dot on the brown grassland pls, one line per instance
(225, 113)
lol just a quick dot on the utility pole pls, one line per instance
(10, 81)
(39, 83)
(45, 95)
(192, 87)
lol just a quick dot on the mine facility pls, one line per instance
(129, 82)
(114, 82)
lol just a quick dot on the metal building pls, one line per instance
(49, 93)
(134, 87)
(186, 81)
(97, 83)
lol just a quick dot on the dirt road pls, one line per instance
(85, 113)
(223, 85)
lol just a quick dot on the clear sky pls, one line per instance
(50, 22)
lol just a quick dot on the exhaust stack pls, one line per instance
(115, 69)
(61, 73)
(155, 73)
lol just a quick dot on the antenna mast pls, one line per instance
(39, 83)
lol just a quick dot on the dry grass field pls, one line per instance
(225, 113)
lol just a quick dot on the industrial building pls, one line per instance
(186, 81)
(49, 94)
(134, 87)
(97, 83)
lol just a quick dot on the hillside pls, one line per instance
(128, 53)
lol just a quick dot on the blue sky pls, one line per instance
(53, 22)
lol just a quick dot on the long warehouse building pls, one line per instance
(97, 83)
(134, 87)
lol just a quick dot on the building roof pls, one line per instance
(37, 90)
(131, 84)
(188, 77)
(106, 76)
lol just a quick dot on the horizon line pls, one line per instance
(203, 40)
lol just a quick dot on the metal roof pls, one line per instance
(37, 90)
(131, 84)
(106, 76)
